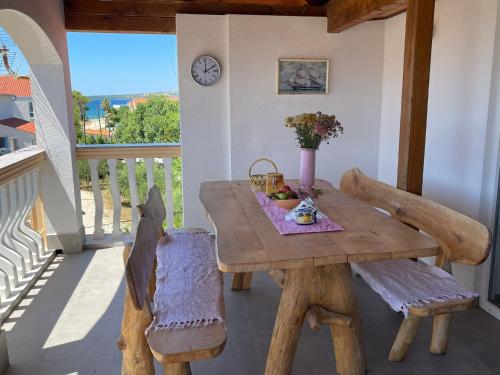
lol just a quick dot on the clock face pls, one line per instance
(205, 70)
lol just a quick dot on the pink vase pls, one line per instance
(307, 168)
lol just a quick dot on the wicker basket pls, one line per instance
(258, 181)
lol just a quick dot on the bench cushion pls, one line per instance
(188, 303)
(403, 283)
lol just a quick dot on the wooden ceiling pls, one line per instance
(158, 16)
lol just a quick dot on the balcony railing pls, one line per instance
(108, 164)
(23, 254)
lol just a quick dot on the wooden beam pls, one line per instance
(317, 316)
(343, 14)
(119, 24)
(416, 71)
(158, 16)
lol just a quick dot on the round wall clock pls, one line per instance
(205, 70)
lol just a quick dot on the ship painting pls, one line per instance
(302, 76)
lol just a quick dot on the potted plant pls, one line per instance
(310, 130)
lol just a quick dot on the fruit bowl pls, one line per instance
(287, 204)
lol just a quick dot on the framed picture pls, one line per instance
(303, 76)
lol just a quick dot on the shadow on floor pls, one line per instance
(70, 320)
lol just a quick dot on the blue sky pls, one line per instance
(16, 59)
(111, 64)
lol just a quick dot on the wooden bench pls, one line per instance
(461, 239)
(173, 348)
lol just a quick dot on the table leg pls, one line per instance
(327, 286)
(241, 280)
(339, 296)
(291, 313)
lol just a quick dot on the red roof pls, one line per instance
(19, 124)
(136, 101)
(19, 86)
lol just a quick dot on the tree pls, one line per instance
(115, 116)
(156, 121)
(106, 106)
(80, 113)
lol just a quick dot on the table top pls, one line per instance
(248, 241)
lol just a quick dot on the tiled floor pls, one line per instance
(70, 321)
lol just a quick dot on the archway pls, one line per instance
(45, 50)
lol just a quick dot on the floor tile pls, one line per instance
(69, 324)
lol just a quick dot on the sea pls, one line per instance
(95, 110)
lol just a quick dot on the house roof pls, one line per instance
(19, 86)
(19, 124)
(132, 104)
(136, 101)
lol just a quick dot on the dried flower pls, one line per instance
(313, 128)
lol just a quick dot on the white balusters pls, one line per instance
(15, 241)
(117, 204)
(32, 192)
(108, 206)
(21, 248)
(99, 209)
(134, 198)
(8, 239)
(23, 207)
(149, 172)
(169, 199)
(10, 260)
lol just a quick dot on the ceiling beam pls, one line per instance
(416, 72)
(158, 16)
(120, 24)
(343, 14)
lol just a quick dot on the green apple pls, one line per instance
(282, 196)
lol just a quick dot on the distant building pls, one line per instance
(106, 133)
(16, 133)
(17, 127)
(135, 102)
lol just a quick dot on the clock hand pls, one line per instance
(205, 61)
(209, 69)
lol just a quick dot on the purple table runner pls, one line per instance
(277, 216)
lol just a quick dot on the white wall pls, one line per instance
(461, 67)
(490, 174)
(226, 127)
(204, 112)
(21, 108)
(5, 107)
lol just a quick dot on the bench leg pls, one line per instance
(137, 357)
(327, 286)
(182, 368)
(241, 280)
(404, 338)
(440, 333)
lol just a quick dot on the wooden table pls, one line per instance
(316, 266)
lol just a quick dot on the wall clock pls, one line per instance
(205, 70)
